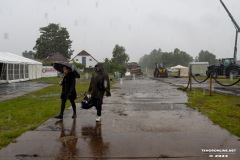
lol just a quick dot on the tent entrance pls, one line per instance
(3, 72)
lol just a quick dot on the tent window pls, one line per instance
(16, 71)
(21, 71)
(3, 75)
(10, 71)
(26, 71)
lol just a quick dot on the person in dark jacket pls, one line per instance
(99, 84)
(68, 91)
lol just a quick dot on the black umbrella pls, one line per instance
(59, 67)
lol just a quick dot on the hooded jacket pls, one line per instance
(99, 83)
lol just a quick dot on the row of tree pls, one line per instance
(54, 38)
(177, 57)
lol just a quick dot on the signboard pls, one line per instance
(49, 71)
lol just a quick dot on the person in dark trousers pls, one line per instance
(99, 84)
(68, 91)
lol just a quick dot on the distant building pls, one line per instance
(56, 57)
(86, 59)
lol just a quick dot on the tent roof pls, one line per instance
(179, 67)
(6, 57)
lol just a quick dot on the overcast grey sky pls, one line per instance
(138, 25)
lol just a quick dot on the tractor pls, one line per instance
(160, 70)
(226, 67)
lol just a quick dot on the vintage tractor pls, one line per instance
(160, 70)
(226, 67)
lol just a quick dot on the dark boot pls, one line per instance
(74, 108)
(74, 115)
(60, 116)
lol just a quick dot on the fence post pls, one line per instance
(190, 77)
(190, 81)
(210, 85)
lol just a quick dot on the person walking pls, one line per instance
(68, 91)
(99, 84)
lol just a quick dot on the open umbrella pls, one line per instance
(59, 67)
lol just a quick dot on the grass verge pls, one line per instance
(223, 110)
(27, 112)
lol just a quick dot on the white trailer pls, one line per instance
(198, 68)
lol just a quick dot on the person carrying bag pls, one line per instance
(99, 84)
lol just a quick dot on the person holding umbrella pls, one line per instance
(68, 87)
(99, 84)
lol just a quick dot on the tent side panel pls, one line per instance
(39, 71)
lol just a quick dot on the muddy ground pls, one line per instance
(144, 119)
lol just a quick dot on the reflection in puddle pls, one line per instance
(69, 142)
(98, 147)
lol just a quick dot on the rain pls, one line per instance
(147, 116)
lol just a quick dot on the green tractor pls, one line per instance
(227, 67)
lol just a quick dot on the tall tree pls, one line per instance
(181, 58)
(53, 39)
(119, 55)
(206, 56)
(118, 60)
(28, 54)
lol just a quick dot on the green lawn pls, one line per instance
(27, 112)
(223, 110)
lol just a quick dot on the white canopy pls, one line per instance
(183, 71)
(15, 68)
(6, 57)
(179, 67)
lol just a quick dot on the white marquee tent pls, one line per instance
(183, 70)
(14, 68)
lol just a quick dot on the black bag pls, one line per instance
(87, 102)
